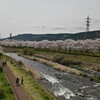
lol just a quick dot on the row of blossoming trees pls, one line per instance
(66, 45)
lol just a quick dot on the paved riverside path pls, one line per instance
(19, 92)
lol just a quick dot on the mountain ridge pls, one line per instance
(58, 36)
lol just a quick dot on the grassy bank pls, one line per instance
(53, 64)
(65, 61)
(85, 62)
(6, 92)
(71, 61)
(31, 86)
(47, 54)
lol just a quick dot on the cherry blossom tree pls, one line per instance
(68, 44)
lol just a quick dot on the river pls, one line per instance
(64, 85)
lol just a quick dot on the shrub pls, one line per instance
(34, 59)
(83, 74)
(30, 72)
(1, 69)
(58, 59)
(20, 63)
(25, 52)
(30, 52)
(0, 54)
(68, 62)
(91, 79)
(65, 61)
(47, 98)
(1, 94)
(95, 78)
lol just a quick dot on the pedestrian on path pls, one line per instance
(17, 81)
(19, 92)
(22, 80)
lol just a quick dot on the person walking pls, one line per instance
(17, 81)
(22, 80)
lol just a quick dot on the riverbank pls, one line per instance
(53, 64)
(6, 92)
(34, 90)
(83, 68)
(64, 85)
(78, 61)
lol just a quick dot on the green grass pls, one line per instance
(5, 89)
(95, 58)
(82, 59)
(32, 87)
(95, 78)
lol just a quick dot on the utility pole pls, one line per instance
(88, 24)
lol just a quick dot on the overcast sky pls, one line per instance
(47, 16)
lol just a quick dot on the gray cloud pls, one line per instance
(40, 27)
(37, 16)
(78, 28)
(59, 28)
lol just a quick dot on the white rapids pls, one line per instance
(51, 79)
(59, 89)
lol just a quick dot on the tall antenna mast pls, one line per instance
(88, 24)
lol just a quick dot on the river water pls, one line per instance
(64, 85)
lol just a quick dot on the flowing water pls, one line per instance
(63, 85)
(59, 89)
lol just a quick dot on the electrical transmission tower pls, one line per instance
(88, 23)
(10, 36)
